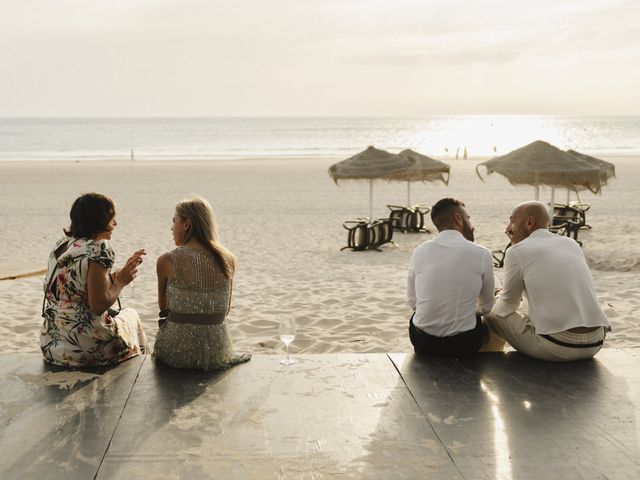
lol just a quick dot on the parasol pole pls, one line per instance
(568, 196)
(408, 194)
(537, 187)
(371, 200)
(552, 204)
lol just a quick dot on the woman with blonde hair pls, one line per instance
(194, 293)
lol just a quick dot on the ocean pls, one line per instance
(441, 136)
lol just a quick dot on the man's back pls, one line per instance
(556, 280)
(447, 275)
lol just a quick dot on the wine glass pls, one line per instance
(128, 291)
(287, 332)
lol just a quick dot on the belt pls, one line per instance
(572, 345)
(197, 318)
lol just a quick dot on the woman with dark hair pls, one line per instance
(194, 293)
(79, 329)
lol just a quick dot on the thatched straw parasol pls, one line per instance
(540, 163)
(607, 169)
(371, 164)
(425, 169)
(374, 164)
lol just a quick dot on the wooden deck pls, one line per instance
(373, 416)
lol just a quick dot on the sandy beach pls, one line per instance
(282, 218)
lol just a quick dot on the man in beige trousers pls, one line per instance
(564, 321)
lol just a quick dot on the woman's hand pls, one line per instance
(102, 293)
(126, 274)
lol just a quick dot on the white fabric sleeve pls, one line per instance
(512, 286)
(411, 289)
(486, 296)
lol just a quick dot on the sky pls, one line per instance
(318, 57)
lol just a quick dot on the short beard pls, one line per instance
(467, 232)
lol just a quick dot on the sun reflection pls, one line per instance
(527, 404)
(500, 437)
(480, 135)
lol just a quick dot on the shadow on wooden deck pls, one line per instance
(371, 416)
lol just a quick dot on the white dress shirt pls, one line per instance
(553, 274)
(449, 279)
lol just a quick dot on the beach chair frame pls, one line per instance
(365, 235)
(409, 219)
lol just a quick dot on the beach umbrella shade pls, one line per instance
(607, 169)
(371, 164)
(540, 163)
(424, 169)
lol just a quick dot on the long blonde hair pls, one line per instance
(202, 227)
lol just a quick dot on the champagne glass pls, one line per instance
(287, 332)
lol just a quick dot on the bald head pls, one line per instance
(537, 210)
(526, 218)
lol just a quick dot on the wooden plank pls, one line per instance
(509, 416)
(57, 423)
(14, 270)
(346, 416)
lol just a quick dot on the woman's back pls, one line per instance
(71, 335)
(199, 284)
(198, 296)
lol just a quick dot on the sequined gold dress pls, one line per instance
(195, 335)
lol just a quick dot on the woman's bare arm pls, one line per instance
(164, 270)
(103, 291)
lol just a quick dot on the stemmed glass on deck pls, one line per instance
(287, 332)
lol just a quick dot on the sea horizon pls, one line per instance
(161, 138)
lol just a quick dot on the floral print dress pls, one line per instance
(71, 335)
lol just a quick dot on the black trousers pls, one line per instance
(459, 345)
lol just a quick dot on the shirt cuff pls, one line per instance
(503, 309)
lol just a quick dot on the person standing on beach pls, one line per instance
(450, 286)
(564, 321)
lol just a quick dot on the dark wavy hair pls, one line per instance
(442, 212)
(90, 215)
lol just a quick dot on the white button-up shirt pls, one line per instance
(449, 279)
(553, 274)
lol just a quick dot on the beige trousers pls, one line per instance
(519, 332)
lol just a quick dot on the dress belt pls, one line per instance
(198, 318)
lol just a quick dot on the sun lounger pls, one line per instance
(382, 232)
(575, 211)
(568, 220)
(408, 219)
(359, 234)
(365, 235)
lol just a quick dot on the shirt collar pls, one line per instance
(450, 235)
(539, 232)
